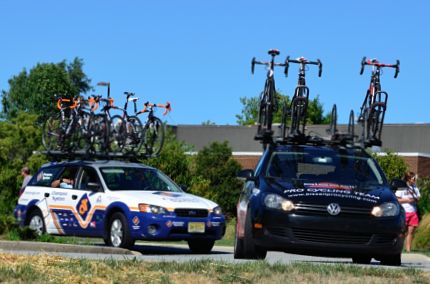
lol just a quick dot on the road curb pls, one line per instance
(54, 247)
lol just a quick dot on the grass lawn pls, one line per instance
(55, 269)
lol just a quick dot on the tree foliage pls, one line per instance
(392, 165)
(18, 139)
(35, 91)
(215, 176)
(250, 107)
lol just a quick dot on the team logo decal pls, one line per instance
(83, 206)
(168, 194)
(136, 220)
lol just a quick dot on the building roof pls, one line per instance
(399, 138)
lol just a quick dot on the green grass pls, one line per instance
(55, 269)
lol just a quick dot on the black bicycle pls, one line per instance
(268, 103)
(153, 128)
(108, 131)
(299, 103)
(372, 111)
(336, 135)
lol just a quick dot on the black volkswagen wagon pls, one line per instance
(323, 200)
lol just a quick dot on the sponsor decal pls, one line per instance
(136, 220)
(342, 191)
(59, 193)
(178, 224)
(330, 185)
(216, 224)
(99, 199)
(169, 224)
(93, 224)
(167, 194)
(136, 227)
(58, 198)
(83, 206)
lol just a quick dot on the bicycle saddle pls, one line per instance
(273, 52)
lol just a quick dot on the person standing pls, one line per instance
(408, 197)
(25, 172)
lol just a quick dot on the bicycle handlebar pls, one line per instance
(303, 61)
(166, 106)
(378, 65)
(273, 53)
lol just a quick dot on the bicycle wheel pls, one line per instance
(98, 133)
(134, 136)
(117, 134)
(351, 124)
(333, 121)
(82, 133)
(153, 134)
(53, 133)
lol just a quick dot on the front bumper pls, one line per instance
(329, 235)
(145, 226)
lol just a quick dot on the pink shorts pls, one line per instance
(412, 219)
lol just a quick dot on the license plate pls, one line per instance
(196, 227)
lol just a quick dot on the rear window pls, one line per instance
(324, 166)
(45, 176)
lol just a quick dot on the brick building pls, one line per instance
(409, 141)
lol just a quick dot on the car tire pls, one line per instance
(118, 232)
(201, 246)
(392, 260)
(239, 252)
(250, 250)
(36, 222)
(361, 259)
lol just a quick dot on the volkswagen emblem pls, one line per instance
(333, 209)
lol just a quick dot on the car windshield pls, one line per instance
(324, 165)
(129, 178)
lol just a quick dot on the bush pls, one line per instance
(215, 176)
(392, 165)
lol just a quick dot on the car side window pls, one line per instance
(67, 178)
(46, 176)
(88, 177)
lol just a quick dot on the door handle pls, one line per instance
(46, 194)
(74, 197)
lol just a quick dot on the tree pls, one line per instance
(18, 139)
(35, 91)
(249, 113)
(214, 176)
(392, 165)
(173, 160)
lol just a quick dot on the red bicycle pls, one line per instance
(372, 111)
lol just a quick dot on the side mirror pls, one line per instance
(397, 183)
(246, 175)
(94, 186)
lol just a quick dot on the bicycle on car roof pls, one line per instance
(372, 111)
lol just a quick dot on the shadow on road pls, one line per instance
(165, 249)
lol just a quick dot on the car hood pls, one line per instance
(325, 193)
(169, 200)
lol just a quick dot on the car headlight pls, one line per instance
(277, 202)
(146, 208)
(217, 210)
(386, 209)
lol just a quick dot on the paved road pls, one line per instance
(172, 252)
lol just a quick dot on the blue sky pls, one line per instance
(197, 54)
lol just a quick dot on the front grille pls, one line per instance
(318, 236)
(191, 213)
(278, 231)
(321, 210)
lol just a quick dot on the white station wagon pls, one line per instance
(118, 201)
